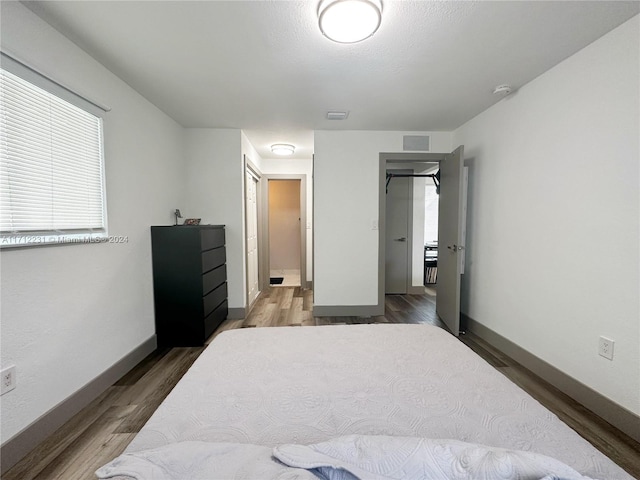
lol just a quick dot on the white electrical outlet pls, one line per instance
(8, 379)
(605, 348)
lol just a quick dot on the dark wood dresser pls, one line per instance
(189, 283)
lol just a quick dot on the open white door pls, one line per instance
(251, 204)
(451, 220)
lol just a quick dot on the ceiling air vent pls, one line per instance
(337, 115)
(415, 143)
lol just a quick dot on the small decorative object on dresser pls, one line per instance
(192, 221)
(189, 283)
(178, 215)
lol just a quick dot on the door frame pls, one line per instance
(263, 251)
(387, 159)
(250, 167)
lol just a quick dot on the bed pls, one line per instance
(301, 395)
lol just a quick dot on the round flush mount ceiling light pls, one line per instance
(283, 149)
(503, 90)
(349, 21)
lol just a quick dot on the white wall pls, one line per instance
(553, 233)
(431, 211)
(280, 166)
(215, 193)
(70, 312)
(249, 151)
(417, 240)
(346, 169)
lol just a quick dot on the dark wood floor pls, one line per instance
(104, 428)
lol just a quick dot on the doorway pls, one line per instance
(283, 237)
(451, 229)
(285, 244)
(411, 228)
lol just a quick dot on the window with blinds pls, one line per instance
(51, 168)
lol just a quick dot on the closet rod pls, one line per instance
(392, 175)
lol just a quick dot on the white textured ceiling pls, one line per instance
(263, 66)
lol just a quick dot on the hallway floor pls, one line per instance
(293, 307)
(291, 278)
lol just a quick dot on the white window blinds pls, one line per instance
(51, 167)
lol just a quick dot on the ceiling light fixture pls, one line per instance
(349, 21)
(503, 90)
(283, 149)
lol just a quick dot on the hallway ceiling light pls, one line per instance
(283, 149)
(349, 21)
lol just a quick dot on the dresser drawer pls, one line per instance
(213, 258)
(215, 318)
(211, 238)
(214, 278)
(214, 298)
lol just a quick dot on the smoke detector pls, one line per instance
(503, 90)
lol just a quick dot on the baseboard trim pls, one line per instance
(416, 290)
(14, 449)
(618, 416)
(347, 311)
(237, 313)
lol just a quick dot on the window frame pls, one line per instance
(44, 237)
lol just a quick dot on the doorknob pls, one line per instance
(401, 239)
(455, 247)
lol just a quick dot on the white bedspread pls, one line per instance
(347, 458)
(275, 386)
(202, 461)
(410, 458)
